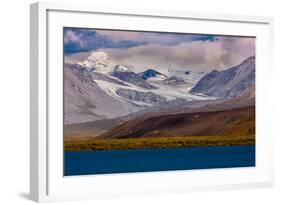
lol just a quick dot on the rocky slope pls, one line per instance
(238, 121)
(228, 83)
(133, 78)
(98, 89)
(85, 101)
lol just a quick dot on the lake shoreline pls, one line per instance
(158, 143)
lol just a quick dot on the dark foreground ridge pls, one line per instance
(233, 127)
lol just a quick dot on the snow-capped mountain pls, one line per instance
(98, 62)
(228, 83)
(98, 89)
(85, 100)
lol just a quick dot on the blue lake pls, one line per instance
(143, 160)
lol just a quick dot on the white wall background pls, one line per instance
(14, 101)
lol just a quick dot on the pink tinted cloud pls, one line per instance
(199, 55)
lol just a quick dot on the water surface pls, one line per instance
(143, 160)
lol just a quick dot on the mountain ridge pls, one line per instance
(96, 85)
(151, 73)
(238, 120)
(228, 83)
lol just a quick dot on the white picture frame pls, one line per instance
(47, 182)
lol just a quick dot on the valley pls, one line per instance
(219, 128)
(109, 106)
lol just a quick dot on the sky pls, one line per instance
(162, 51)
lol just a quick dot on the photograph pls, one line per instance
(146, 101)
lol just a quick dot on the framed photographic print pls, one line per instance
(127, 102)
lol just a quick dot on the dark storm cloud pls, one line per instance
(81, 40)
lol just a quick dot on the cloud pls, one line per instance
(220, 54)
(70, 36)
(81, 40)
(161, 38)
(161, 51)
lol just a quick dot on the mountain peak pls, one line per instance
(228, 83)
(151, 70)
(97, 60)
(121, 68)
(150, 73)
(99, 56)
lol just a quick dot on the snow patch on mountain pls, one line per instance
(98, 89)
(120, 68)
(170, 93)
(174, 81)
(111, 88)
(85, 100)
(191, 77)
